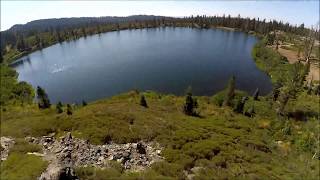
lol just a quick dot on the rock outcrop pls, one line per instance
(6, 144)
(68, 152)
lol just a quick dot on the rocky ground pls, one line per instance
(6, 144)
(67, 152)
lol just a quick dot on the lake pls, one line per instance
(165, 59)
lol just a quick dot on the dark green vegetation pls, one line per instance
(43, 99)
(59, 107)
(69, 109)
(23, 39)
(233, 135)
(224, 143)
(288, 78)
(190, 105)
(12, 91)
(143, 101)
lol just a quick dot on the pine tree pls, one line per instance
(69, 109)
(230, 92)
(43, 100)
(256, 94)
(143, 101)
(190, 104)
(240, 104)
(59, 107)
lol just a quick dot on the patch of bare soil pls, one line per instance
(292, 57)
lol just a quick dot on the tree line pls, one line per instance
(17, 42)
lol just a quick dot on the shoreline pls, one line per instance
(14, 59)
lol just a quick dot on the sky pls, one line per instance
(294, 12)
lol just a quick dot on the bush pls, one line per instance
(59, 107)
(23, 147)
(219, 97)
(287, 128)
(143, 101)
(306, 142)
(43, 99)
(168, 169)
(92, 173)
(11, 90)
(204, 149)
(69, 109)
(23, 92)
(190, 105)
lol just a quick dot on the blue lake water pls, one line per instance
(166, 60)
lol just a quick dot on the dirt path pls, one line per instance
(314, 73)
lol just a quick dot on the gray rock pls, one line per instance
(72, 152)
(6, 143)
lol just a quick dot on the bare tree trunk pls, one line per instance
(309, 44)
(310, 51)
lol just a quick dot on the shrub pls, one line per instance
(21, 146)
(218, 98)
(204, 149)
(59, 107)
(23, 92)
(92, 173)
(43, 99)
(287, 128)
(230, 92)
(306, 142)
(69, 109)
(190, 105)
(143, 101)
(168, 169)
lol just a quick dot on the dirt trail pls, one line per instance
(314, 73)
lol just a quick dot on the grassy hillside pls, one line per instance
(224, 143)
